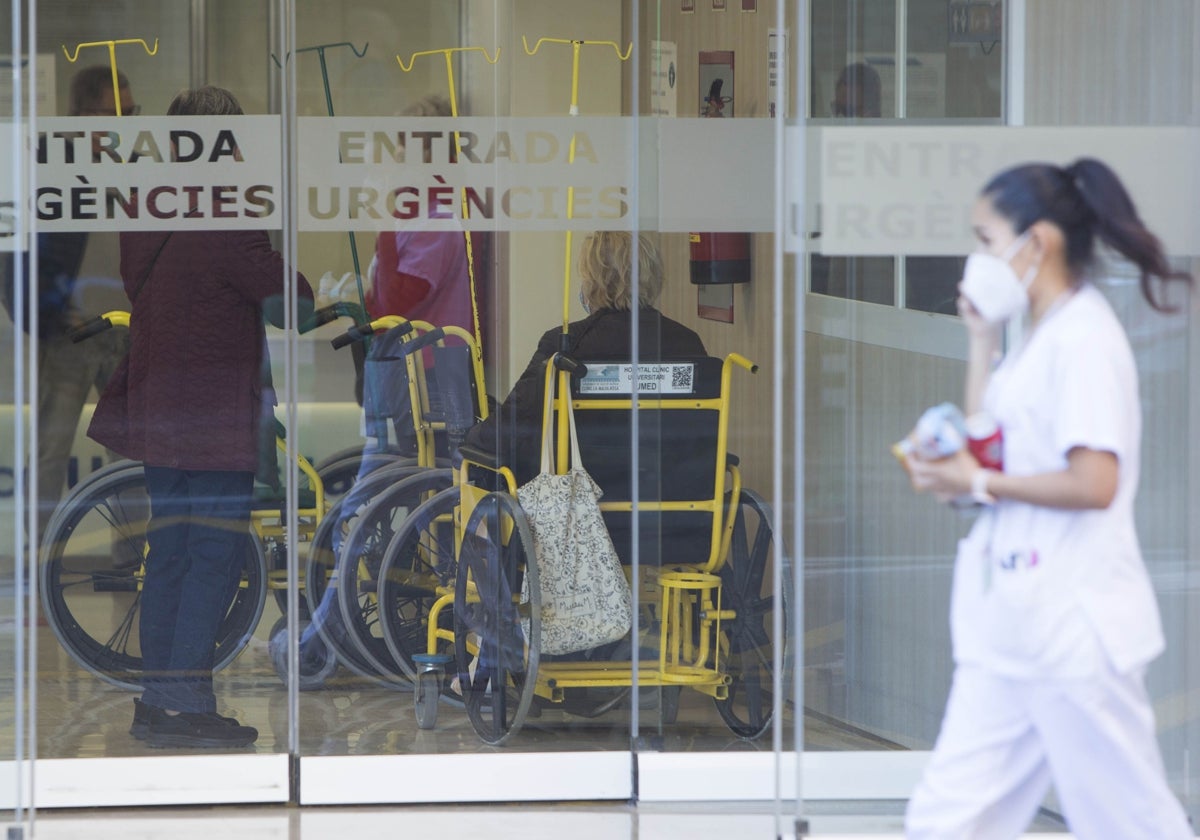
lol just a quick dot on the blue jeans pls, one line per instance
(199, 524)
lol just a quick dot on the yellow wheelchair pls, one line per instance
(706, 609)
(428, 380)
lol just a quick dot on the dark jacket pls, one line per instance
(515, 430)
(60, 256)
(189, 394)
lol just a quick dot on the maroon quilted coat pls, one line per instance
(189, 394)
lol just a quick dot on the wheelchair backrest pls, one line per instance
(435, 384)
(680, 450)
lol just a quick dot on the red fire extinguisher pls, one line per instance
(718, 258)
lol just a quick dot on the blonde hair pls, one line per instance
(606, 270)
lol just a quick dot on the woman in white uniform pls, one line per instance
(1053, 617)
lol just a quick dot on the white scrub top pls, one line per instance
(1040, 592)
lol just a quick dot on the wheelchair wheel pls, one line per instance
(91, 577)
(497, 618)
(328, 622)
(747, 652)
(322, 561)
(419, 558)
(362, 556)
(340, 470)
(427, 694)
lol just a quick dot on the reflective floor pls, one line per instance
(81, 716)
(579, 822)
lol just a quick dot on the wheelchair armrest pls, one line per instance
(479, 456)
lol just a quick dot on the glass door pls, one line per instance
(911, 108)
(457, 164)
(144, 197)
(17, 612)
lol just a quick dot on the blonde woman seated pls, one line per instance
(609, 297)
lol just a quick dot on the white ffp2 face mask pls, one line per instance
(993, 288)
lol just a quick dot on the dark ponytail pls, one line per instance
(1084, 200)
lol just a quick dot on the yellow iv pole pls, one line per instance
(112, 60)
(448, 53)
(575, 45)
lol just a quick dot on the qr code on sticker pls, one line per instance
(681, 377)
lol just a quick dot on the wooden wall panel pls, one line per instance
(752, 332)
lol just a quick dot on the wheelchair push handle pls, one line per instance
(99, 324)
(356, 333)
(329, 314)
(742, 362)
(361, 332)
(93, 327)
(571, 365)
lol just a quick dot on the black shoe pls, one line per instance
(141, 720)
(196, 729)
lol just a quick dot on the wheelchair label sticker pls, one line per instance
(666, 378)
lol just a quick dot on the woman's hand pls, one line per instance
(983, 352)
(947, 478)
(978, 330)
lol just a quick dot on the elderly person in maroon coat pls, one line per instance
(187, 402)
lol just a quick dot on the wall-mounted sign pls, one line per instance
(716, 83)
(975, 22)
(663, 76)
(776, 65)
(44, 79)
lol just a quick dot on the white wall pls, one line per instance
(532, 273)
(878, 558)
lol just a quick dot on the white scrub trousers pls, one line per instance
(1004, 740)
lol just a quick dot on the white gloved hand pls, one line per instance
(369, 280)
(325, 290)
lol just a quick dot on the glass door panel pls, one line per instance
(877, 557)
(16, 798)
(114, 177)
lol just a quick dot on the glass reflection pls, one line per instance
(382, 526)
